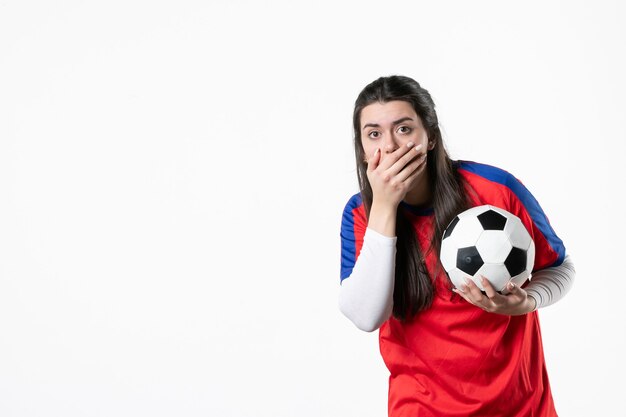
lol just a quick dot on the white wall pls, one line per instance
(172, 176)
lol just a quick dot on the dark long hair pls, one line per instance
(414, 289)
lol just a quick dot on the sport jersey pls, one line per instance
(454, 359)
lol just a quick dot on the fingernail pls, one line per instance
(410, 144)
(418, 147)
(460, 288)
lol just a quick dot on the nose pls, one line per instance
(390, 143)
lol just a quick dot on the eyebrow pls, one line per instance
(395, 122)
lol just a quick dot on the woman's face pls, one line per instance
(390, 125)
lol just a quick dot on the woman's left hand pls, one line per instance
(515, 303)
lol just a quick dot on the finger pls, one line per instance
(473, 291)
(496, 299)
(478, 300)
(489, 290)
(414, 170)
(461, 291)
(373, 162)
(394, 156)
(414, 153)
(515, 290)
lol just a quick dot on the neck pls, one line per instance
(420, 194)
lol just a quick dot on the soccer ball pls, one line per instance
(487, 241)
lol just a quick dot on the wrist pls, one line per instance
(382, 218)
(532, 303)
(384, 205)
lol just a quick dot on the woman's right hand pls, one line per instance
(390, 180)
(396, 174)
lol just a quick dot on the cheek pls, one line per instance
(369, 151)
(423, 136)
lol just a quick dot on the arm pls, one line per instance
(546, 287)
(366, 296)
(549, 285)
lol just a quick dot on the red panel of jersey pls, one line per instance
(454, 359)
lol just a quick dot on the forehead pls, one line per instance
(386, 113)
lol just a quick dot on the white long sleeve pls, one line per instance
(549, 285)
(366, 296)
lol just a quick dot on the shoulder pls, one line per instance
(495, 186)
(353, 203)
(474, 170)
(490, 180)
(353, 226)
(354, 213)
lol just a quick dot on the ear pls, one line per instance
(431, 145)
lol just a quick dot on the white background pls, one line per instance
(172, 177)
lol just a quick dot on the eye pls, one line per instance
(404, 129)
(374, 134)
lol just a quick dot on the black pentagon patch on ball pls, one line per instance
(492, 220)
(450, 228)
(468, 260)
(516, 261)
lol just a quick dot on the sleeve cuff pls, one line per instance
(373, 236)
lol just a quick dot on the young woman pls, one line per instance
(450, 351)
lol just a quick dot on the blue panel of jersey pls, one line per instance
(348, 241)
